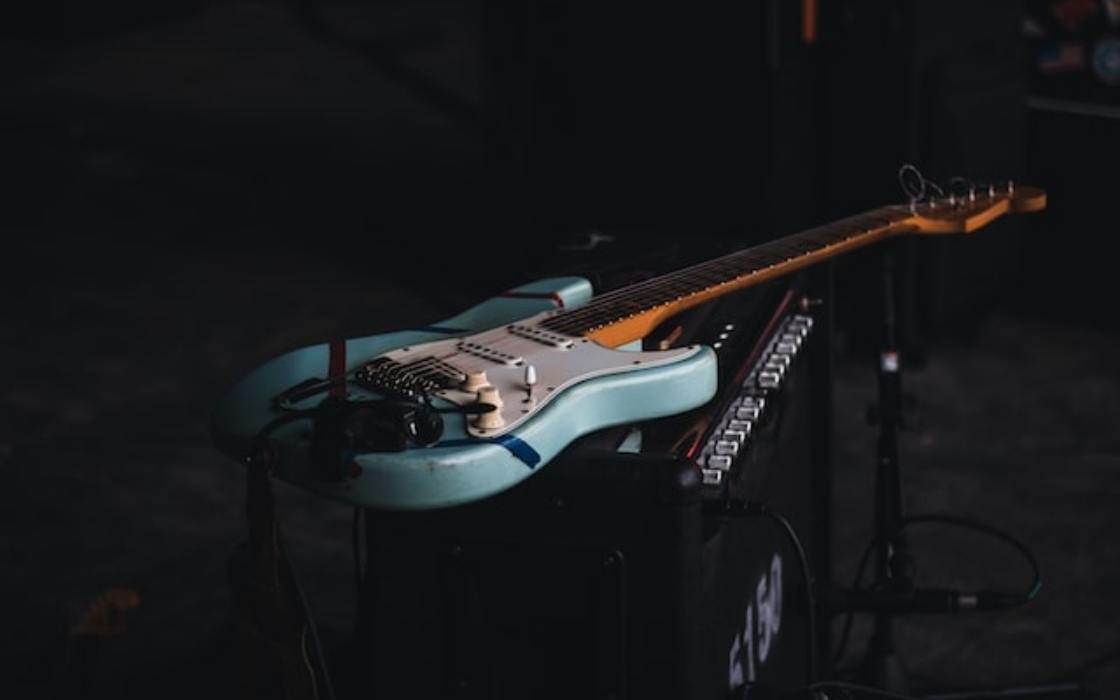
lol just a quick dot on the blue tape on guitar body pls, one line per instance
(517, 447)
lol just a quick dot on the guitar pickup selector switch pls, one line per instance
(730, 436)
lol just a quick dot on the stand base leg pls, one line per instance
(885, 670)
(1054, 691)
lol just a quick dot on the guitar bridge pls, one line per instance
(413, 381)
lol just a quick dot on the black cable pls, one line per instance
(1069, 678)
(810, 586)
(993, 599)
(284, 419)
(1088, 665)
(846, 631)
(996, 599)
(355, 545)
(325, 684)
(1044, 691)
(858, 690)
(759, 509)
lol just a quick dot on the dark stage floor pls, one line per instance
(160, 244)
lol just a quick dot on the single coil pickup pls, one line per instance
(541, 335)
(488, 353)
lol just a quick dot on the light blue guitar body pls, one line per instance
(606, 387)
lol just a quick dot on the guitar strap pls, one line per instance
(276, 646)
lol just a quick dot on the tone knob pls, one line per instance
(490, 394)
(475, 381)
(493, 418)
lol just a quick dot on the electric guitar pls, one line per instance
(449, 414)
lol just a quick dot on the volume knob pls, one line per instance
(475, 381)
(493, 418)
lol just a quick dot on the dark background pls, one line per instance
(193, 187)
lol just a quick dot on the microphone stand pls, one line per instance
(893, 592)
(894, 565)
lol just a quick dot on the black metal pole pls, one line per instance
(822, 282)
(893, 563)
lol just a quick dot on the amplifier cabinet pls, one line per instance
(617, 572)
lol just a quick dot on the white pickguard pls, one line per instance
(503, 353)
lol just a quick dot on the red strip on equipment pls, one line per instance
(337, 368)
(744, 369)
(556, 298)
(809, 21)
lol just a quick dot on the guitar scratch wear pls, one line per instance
(517, 447)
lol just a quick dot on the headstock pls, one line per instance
(965, 212)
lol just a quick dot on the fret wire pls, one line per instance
(704, 275)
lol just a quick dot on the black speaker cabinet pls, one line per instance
(619, 571)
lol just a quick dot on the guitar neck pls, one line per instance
(632, 312)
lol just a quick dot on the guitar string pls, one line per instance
(694, 279)
(709, 274)
(712, 273)
(428, 367)
(706, 275)
(421, 369)
(703, 275)
(633, 301)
